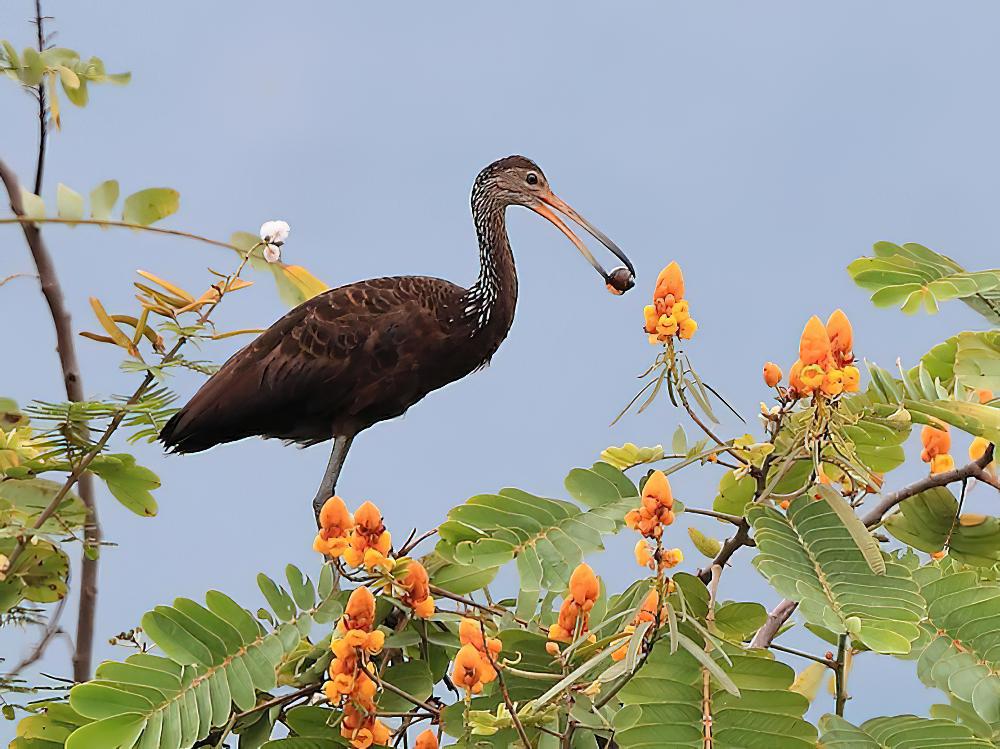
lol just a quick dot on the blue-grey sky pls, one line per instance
(762, 145)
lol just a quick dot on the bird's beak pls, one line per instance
(544, 208)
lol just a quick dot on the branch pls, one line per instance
(778, 616)
(739, 539)
(53, 293)
(976, 469)
(503, 689)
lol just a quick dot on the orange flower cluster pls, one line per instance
(350, 685)
(574, 614)
(937, 449)
(416, 582)
(647, 613)
(360, 539)
(656, 510)
(475, 659)
(669, 315)
(826, 359)
(426, 740)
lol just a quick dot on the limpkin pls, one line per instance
(363, 353)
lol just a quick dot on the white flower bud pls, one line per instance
(274, 232)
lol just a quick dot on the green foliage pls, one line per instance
(141, 208)
(930, 522)
(547, 537)
(897, 732)
(967, 361)
(925, 403)
(56, 64)
(962, 655)
(217, 659)
(665, 704)
(811, 557)
(911, 276)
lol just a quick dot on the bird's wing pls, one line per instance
(332, 358)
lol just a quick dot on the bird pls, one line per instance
(363, 353)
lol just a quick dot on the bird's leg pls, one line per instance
(341, 445)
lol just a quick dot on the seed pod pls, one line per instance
(620, 280)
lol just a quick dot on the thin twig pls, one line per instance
(503, 689)
(401, 693)
(52, 629)
(26, 221)
(474, 604)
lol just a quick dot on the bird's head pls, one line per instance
(516, 180)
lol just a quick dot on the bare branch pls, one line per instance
(52, 291)
(976, 469)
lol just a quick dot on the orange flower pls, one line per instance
(583, 587)
(841, 335)
(814, 345)
(978, 448)
(833, 382)
(795, 379)
(470, 632)
(772, 374)
(935, 441)
(651, 316)
(468, 670)
(670, 281)
(335, 523)
(942, 463)
(368, 519)
(852, 379)
(657, 488)
(670, 558)
(811, 377)
(985, 395)
(643, 556)
(417, 584)
(370, 542)
(360, 610)
(647, 613)
(939, 555)
(687, 329)
(426, 740)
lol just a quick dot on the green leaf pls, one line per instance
(630, 455)
(734, 494)
(911, 275)
(962, 656)
(547, 537)
(128, 482)
(737, 621)
(461, 579)
(103, 199)
(110, 733)
(929, 522)
(69, 202)
(809, 556)
(708, 546)
(413, 677)
(664, 704)
(861, 536)
(150, 205)
(897, 732)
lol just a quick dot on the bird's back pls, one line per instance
(336, 364)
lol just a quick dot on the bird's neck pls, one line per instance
(489, 302)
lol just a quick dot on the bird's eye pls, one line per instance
(531, 179)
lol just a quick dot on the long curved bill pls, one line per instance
(544, 209)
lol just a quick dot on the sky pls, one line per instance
(762, 145)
